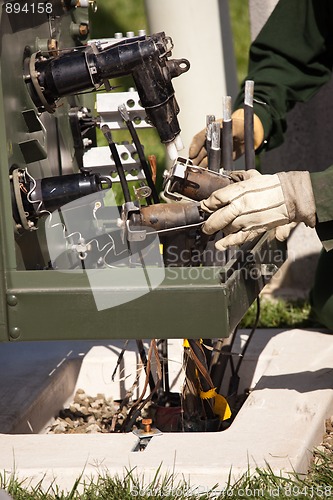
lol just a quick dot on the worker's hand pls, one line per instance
(283, 232)
(246, 209)
(198, 153)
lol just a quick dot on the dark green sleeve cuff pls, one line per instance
(322, 185)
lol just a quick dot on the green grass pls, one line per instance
(260, 483)
(280, 313)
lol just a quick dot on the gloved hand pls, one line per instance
(283, 232)
(261, 202)
(198, 153)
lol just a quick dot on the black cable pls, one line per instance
(116, 158)
(247, 343)
(234, 379)
(139, 149)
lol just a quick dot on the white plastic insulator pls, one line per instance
(118, 35)
(83, 3)
(172, 150)
(130, 34)
(179, 143)
(141, 32)
(87, 142)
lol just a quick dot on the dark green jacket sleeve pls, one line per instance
(322, 185)
(289, 61)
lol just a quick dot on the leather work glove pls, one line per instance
(246, 209)
(198, 153)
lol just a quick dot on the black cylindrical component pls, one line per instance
(157, 97)
(214, 159)
(249, 138)
(54, 192)
(121, 58)
(227, 145)
(64, 75)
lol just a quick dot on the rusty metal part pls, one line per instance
(83, 29)
(153, 167)
(52, 46)
(198, 183)
(165, 216)
(146, 422)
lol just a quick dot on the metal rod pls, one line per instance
(227, 141)
(116, 158)
(153, 166)
(248, 125)
(220, 359)
(214, 156)
(209, 120)
(139, 149)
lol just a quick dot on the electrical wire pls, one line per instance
(234, 380)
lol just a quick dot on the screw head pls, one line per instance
(15, 332)
(146, 422)
(12, 300)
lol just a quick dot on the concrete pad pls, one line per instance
(290, 374)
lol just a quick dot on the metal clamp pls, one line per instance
(130, 235)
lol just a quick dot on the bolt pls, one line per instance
(146, 422)
(52, 46)
(15, 332)
(86, 142)
(83, 29)
(12, 300)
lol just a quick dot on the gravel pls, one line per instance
(87, 414)
(326, 446)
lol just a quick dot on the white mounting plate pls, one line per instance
(107, 108)
(99, 159)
